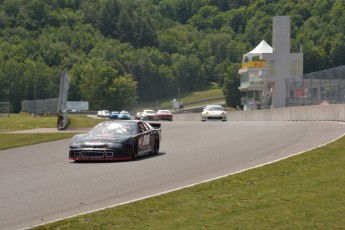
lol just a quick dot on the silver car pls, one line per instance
(213, 112)
(103, 113)
(148, 114)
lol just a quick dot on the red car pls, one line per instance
(163, 115)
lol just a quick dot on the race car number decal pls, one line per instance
(146, 140)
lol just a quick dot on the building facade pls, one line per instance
(317, 88)
(265, 70)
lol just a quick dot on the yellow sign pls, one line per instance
(256, 64)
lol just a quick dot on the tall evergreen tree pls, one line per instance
(110, 12)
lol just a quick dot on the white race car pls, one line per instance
(103, 113)
(214, 112)
(147, 114)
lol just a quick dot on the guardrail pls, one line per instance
(62, 120)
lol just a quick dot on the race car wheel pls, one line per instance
(135, 152)
(155, 149)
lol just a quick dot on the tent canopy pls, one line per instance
(262, 48)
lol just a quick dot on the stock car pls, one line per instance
(163, 115)
(138, 115)
(116, 140)
(103, 113)
(213, 112)
(124, 115)
(114, 115)
(147, 114)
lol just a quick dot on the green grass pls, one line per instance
(303, 192)
(25, 121)
(186, 98)
(82, 121)
(14, 140)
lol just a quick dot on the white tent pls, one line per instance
(262, 48)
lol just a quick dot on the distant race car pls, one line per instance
(103, 113)
(163, 115)
(124, 115)
(138, 115)
(116, 140)
(114, 115)
(214, 112)
(148, 114)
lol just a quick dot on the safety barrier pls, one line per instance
(332, 112)
(63, 120)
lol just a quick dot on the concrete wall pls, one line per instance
(333, 112)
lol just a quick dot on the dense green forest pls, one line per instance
(119, 52)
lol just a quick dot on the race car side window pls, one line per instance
(141, 127)
(146, 126)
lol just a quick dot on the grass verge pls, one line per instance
(14, 140)
(82, 121)
(303, 192)
(189, 97)
(25, 121)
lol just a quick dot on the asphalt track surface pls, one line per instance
(38, 183)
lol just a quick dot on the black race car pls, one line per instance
(116, 140)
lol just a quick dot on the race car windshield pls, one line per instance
(114, 128)
(163, 111)
(216, 109)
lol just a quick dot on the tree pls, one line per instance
(145, 33)
(109, 15)
(315, 58)
(97, 74)
(13, 84)
(337, 53)
(125, 28)
(122, 93)
(179, 39)
(162, 44)
(231, 84)
(217, 45)
(184, 10)
(206, 18)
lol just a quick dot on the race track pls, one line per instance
(39, 184)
